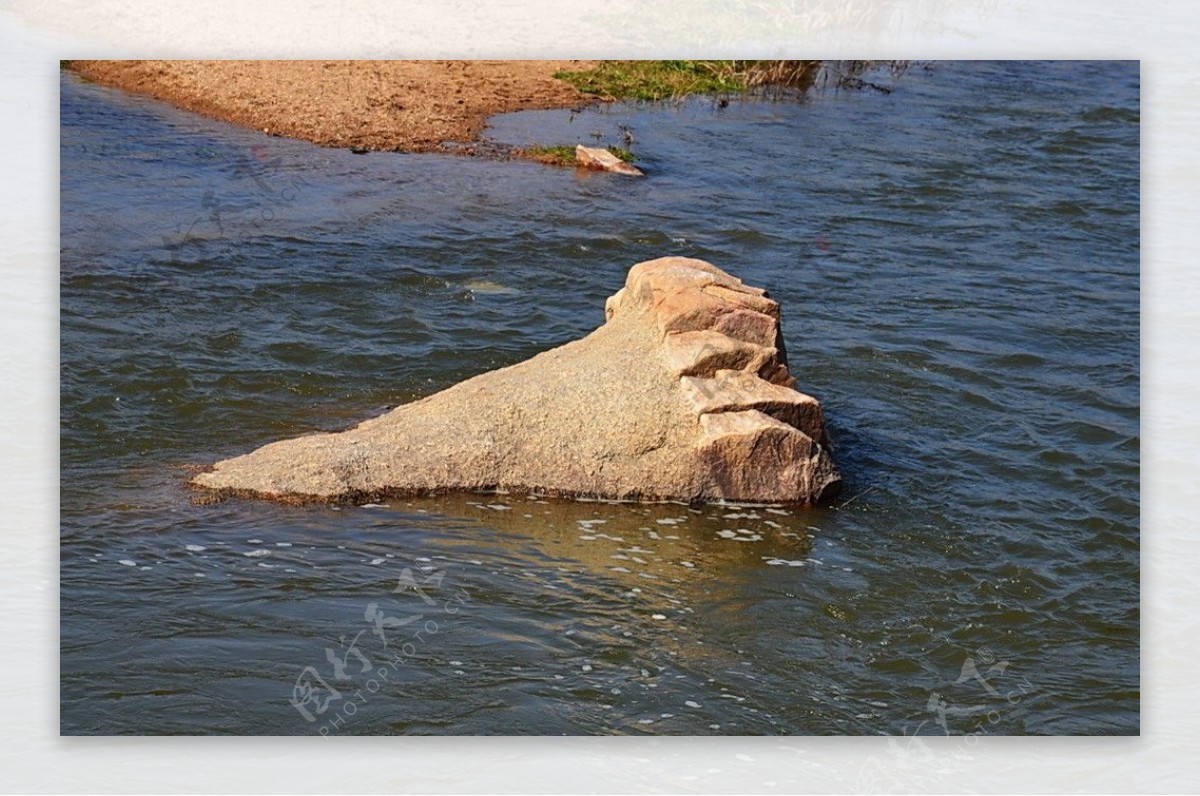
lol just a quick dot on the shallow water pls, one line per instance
(958, 265)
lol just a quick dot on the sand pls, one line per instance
(406, 106)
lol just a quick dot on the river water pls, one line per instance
(958, 265)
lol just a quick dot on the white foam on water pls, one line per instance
(256, 553)
(195, 548)
(125, 562)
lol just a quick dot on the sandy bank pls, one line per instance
(409, 106)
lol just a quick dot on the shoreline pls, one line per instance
(389, 106)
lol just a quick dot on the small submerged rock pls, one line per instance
(487, 286)
(602, 159)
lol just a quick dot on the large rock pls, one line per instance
(683, 393)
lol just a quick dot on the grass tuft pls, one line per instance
(652, 81)
(622, 153)
(552, 155)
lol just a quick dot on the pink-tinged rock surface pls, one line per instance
(682, 394)
(602, 159)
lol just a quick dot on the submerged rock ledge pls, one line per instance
(683, 394)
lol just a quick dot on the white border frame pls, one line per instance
(34, 34)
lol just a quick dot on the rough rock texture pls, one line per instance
(683, 393)
(602, 159)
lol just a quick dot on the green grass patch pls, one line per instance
(552, 155)
(622, 153)
(655, 80)
(659, 80)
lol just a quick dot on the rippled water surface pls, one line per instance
(958, 266)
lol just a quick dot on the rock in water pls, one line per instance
(602, 159)
(683, 393)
